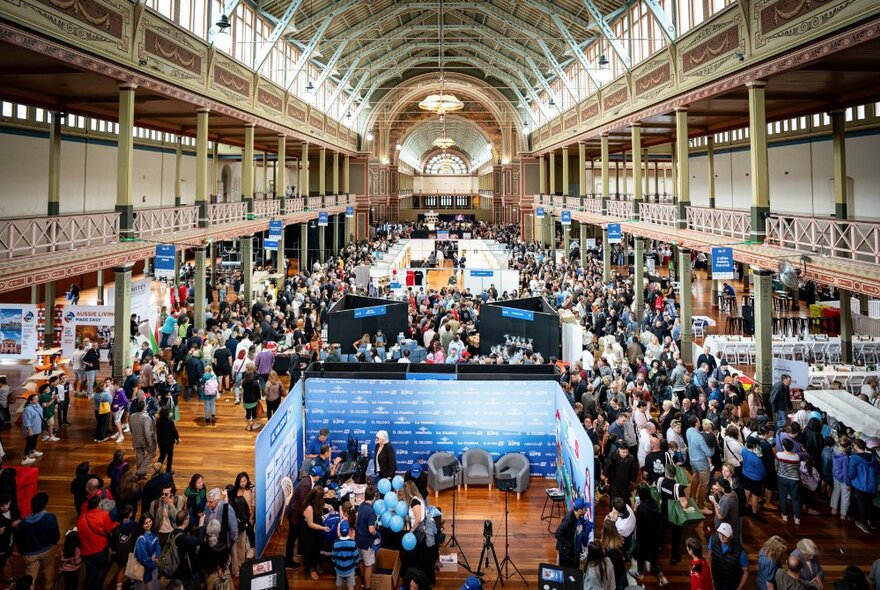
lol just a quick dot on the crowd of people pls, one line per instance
(678, 449)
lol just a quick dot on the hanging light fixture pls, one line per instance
(443, 142)
(310, 92)
(441, 103)
(604, 73)
(223, 23)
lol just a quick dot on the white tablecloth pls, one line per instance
(849, 379)
(859, 415)
(721, 343)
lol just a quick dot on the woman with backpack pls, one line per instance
(122, 541)
(146, 552)
(213, 559)
(211, 391)
(71, 560)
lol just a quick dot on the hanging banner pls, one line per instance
(722, 263)
(349, 212)
(615, 236)
(798, 370)
(95, 322)
(322, 219)
(18, 331)
(141, 293)
(539, 213)
(565, 217)
(165, 261)
(276, 226)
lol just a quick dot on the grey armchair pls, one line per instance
(516, 465)
(476, 465)
(436, 479)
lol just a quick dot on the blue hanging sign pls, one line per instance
(565, 217)
(518, 314)
(615, 236)
(722, 263)
(369, 312)
(276, 227)
(165, 262)
(349, 212)
(482, 273)
(322, 219)
(539, 213)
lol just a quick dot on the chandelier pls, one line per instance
(441, 103)
(443, 142)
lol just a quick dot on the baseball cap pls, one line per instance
(472, 583)
(344, 528)
(725, 529)
(578, 504)
(415, 470)
(316, 470)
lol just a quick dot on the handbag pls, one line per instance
(681, 476)
(681, 516)
(134, 570)
(261, 411)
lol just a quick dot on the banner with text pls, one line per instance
(799, 371)
(278, 453)
(276, 227)
(165, 261)
(18, 331)
(565, 217)
(722, 263)
(322, 219)
(575, 474)
(615, 236)
(95, 322)
(539, 213)
(426, 417)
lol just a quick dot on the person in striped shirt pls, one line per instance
(345, 556)
(788, 477)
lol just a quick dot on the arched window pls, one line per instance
(444, 163)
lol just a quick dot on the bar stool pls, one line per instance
(556, 498)
(735, 325)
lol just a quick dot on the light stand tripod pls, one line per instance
(488, 548)
(507, 485)
(454, 469)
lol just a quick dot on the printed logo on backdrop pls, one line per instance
(424, 417)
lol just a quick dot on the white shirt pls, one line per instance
(626, 526)
(403, 359)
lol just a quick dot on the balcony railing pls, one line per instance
(267, 208)
(226, 212)
(593, 206)
(572, 203)
(315, 202)
(46, 235)
(156, 221)
(558, 201)
(294, 205)
(620, 209)
(722, 222)
(659, 213)
(854, 240)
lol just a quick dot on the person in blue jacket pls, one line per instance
(31, 427)
(147, 551)
(863, 477)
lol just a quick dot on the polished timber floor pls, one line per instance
(221, 451)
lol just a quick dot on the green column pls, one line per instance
(247, 168)
(582, 170)
(552, 173)
(49, 302)
(212, 261)
(638, 196)
(35, 294)
(303, 247)
(280, 257)
(322, 172)
(606, 179)
(147, 271)
(178, 167)
(335, 173)
(336, 233)
(639, 267)
(710, 169)
(760, 170)
(122, 311)
(846, 327)
(247, 267)
(583, 244)
(281, 172)
(763, 326)
(838, 140)
(542, 175)
(606, 256)
(54, 207)
(322, 243)
(565, 180)
(124, 160)
(199, 284)
(681, 149)
(346, 177)
(566, 239)
(304, 171)
(202, 165)
(686, 302)
(100, 286)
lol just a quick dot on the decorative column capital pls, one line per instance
(127, 86)
(756, 84)
(637, 123)
(203, 110)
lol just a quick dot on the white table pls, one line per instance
(742, 349)
(860, 416)
(851, 380)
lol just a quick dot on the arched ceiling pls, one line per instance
(517, 47)
(468, 138)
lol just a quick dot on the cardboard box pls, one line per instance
(386, 572)
(449, 563)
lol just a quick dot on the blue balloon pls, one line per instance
(408, 542)
(397, 482)
(397, 523)
(384, 486)
(386, 519)
(379, 507)
(401, 508)
(391, 499)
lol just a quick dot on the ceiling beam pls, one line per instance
(307, 53)
(662, 19)
(560, 73)
(229, 7)
(340, 87)
(279, 29)
(618, 47)
(575, 48)
(328, 69)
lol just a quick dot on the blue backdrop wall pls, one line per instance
(424, 417)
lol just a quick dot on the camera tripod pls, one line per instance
(504, 572)
(488, 548)
(453, 540)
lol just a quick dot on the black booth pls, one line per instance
(521, 322)
(353, 316)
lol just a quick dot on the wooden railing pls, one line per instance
(659, 213)
(825, 236)
(572, 203)
(722, 222)
(156, 221)
(593, 206)
(270, 208)
(558, 201)
(315, 202)
(31, 236)
(620, 209)
(226, 212)
(294, 205)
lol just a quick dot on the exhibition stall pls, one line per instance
(529, 325)
(352, 316)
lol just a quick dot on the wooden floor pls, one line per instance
(221, 451)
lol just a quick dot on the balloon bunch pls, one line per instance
(390, 511)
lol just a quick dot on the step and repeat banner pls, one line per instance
(278, 453)
(423, 418)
